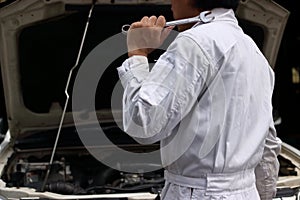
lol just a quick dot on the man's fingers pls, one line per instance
(152, 20)
(145, 20)
(136, 25)
(161, 21)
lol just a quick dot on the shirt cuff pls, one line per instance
(133, 67)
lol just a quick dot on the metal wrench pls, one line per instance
(202, 17)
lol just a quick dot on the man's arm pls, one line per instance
(267, 170)
(155, 101)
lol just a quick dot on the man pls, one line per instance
(207, 99)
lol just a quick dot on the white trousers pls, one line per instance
(235, 186)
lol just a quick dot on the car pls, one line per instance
(58, 143)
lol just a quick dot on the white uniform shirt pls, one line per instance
(208, 100)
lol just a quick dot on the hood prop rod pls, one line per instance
(67, 95)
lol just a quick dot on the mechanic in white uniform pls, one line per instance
(207, 100)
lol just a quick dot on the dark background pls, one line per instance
(286, 98)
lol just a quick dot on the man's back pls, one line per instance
(208, 100)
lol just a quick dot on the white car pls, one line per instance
(44, 44)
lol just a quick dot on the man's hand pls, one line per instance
(146, 35)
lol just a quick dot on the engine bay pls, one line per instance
(77, 173)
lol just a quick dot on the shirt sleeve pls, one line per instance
(267, 170)
(155, 101)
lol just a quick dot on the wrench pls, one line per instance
(202, 17)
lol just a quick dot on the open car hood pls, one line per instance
(16, 62)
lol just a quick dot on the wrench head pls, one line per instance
(205, 18)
